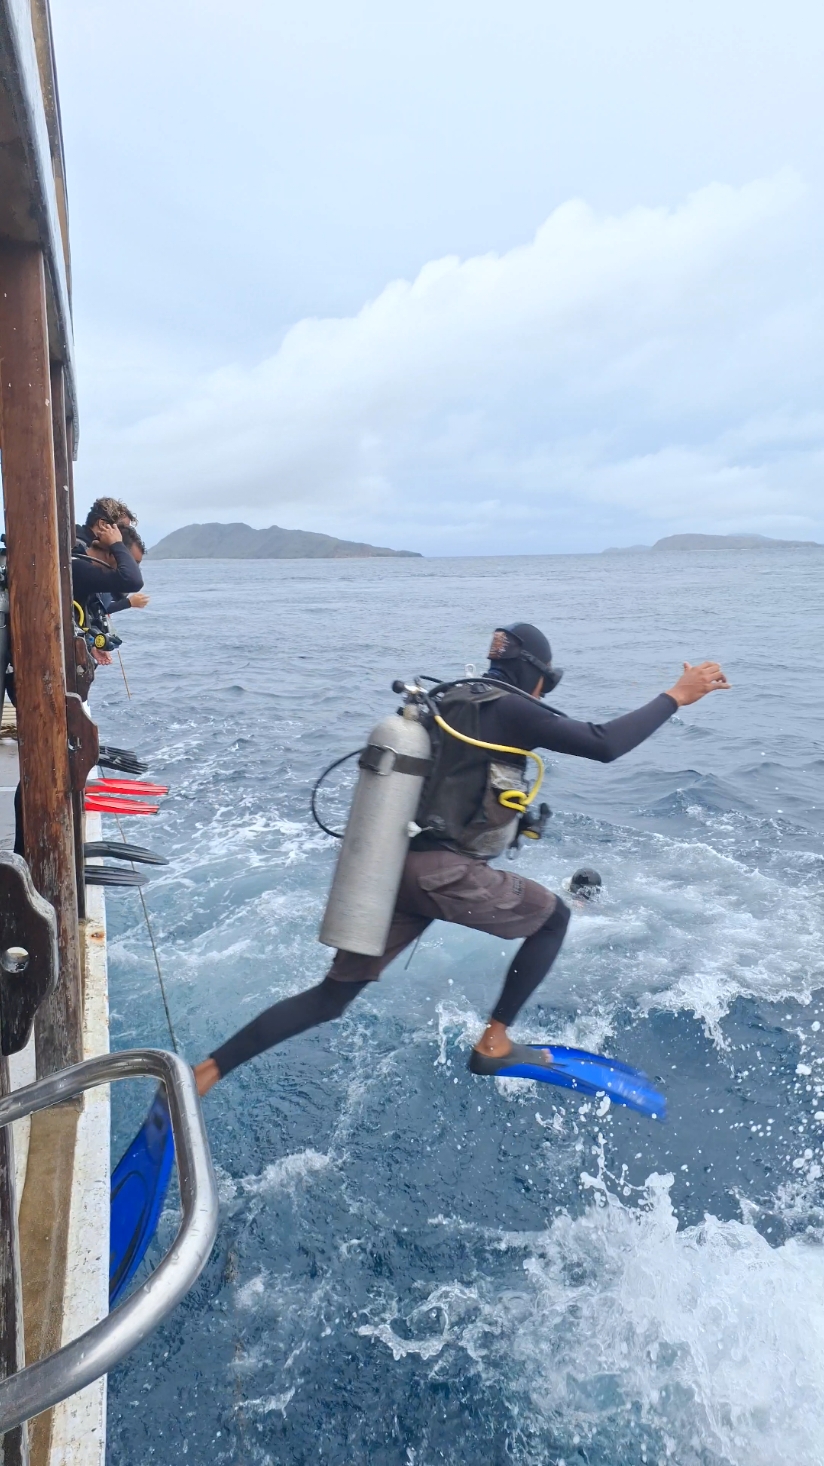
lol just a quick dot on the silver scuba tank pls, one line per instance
(368, 874)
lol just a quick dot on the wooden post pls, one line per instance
(26, 439)
(70, 472)
(14, 1445)
(65, 542)
(65, 519)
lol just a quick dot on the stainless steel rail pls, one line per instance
(96, 1352)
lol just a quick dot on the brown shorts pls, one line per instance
(441, 885)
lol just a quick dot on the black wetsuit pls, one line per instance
(528, 724)
(89, 577)
(517, 722)
(83, 540)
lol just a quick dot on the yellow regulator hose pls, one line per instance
(514, 799)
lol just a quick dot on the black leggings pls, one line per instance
(330, 998)
(531, 964)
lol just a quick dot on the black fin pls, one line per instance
(113, 875)
(121, 758)
(118, 850)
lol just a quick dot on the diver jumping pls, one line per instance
(442, 791)
(468, 814)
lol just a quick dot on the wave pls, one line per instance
(632, 1340)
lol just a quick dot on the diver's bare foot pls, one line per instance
(206, 1075)
(494, 1042)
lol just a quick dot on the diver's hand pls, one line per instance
(695, 682)
(109, 534)
(138, 599)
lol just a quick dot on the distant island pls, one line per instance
(241, 542)
(716, 542)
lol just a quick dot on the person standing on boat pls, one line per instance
(102, 515)
(443, 883)
(107, 576)
(103, 511)
(110, 565)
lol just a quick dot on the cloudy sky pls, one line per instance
(455, 276)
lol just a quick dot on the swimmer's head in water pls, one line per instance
(585, 883)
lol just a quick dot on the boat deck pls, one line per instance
(78, 1433)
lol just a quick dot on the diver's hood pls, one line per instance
(520, 651)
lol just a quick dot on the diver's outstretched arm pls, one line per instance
(695, 682)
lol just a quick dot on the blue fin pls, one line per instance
(139, 1185)
(576, 1069)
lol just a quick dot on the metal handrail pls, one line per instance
(94, 1353)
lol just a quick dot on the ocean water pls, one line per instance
(415, 1266)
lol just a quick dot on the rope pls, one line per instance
(123, 670)
(172, 1035)
(408, 962)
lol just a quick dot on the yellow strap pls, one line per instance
(80, 614)
(514, 799)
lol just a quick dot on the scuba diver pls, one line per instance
(468, 814)
(106, 577)
(442, 791)
(103, 511)
(584, 885)
(110, 564)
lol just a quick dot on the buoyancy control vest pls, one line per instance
(460, 806)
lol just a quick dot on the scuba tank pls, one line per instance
(393, 767)
(470, 803)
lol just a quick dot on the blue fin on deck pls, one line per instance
(576, 1069)
(139, 1185)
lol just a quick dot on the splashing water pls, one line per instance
(415, 1266)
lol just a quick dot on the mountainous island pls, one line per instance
(241, 542)
(681, 542)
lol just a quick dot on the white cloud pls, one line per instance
(657, 368)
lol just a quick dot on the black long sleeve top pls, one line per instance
(528, 724)
(89, 576)
(117, 603)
